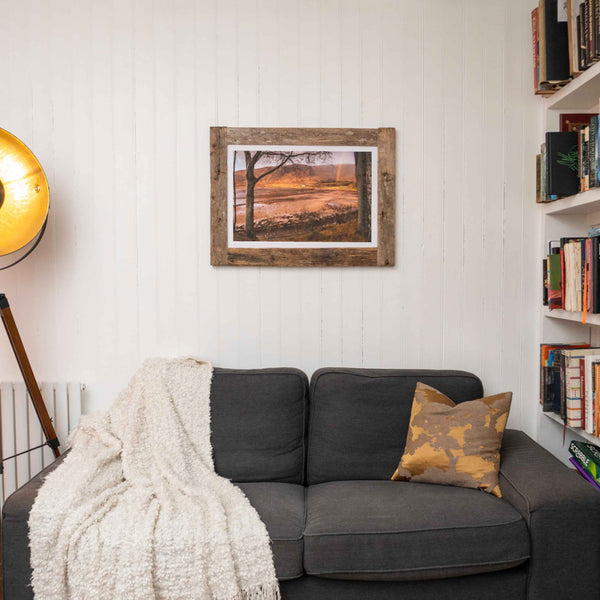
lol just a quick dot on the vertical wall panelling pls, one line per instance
(351, 292)
(493, 151)
(116, 99)
(203, 114)
(472, 183)
(291, 54)
(454, 151)
(309, 75)
(394, 76)
(232, 308)
(412, 148)
(269, 67)
(434, 91)
(249, 77)
(512, 223)
(330, 63)
(370, 106)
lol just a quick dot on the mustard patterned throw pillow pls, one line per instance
(454, 444)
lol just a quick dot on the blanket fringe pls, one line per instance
(260, 592)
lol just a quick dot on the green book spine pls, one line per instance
(589, 457)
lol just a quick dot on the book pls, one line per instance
(588, 456)
(553, 43)
(535, 44)
(572, 401)
(572, 36)
(584, 473)
(550, 381)
(597, 399)
(562, 158)
(546, 280)
(584, 176)
(595, 274)
(589, 392)
(593, 152)
(538, 178)
(580, 36)
(554, 281)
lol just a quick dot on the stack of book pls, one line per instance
(569, 160)
(570, 384)
(586, 459)
(565, 41)
(571, 272)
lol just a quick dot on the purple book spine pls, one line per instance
(584, 472)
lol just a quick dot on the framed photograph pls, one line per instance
(302, 197)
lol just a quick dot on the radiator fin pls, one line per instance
(20, 428)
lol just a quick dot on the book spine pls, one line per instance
(593, 159)
(538, 178)
(582, 392)
(534, 36)
(591, 25)
(546, 280)
(581, 36)
(586, 158)
(573, 392)
(563, 393)
(597, 399)
(596, 120)
(586, 32)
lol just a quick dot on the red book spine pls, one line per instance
(562, 278)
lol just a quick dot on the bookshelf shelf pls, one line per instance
(592, 319)
(580, 94)
(577, 430)
(581, 204)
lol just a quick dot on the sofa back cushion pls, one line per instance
(359, 418)
(258, 424)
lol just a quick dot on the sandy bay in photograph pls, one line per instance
(298, 195)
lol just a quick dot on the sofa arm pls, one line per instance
(16, 565)
(562, 511)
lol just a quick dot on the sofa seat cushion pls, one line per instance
(386, 530)
(281, 507)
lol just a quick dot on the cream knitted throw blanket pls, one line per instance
(137, 512)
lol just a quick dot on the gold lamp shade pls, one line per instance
(24, 196)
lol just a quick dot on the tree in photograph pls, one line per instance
(275, 160)
(362, 165)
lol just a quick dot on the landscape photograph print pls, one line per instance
(301, 196)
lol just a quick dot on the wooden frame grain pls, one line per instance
(383, 255)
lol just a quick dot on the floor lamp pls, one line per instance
(24, 203)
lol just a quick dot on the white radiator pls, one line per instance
(21, 430)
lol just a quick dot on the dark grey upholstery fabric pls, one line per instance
(502, 585)
(16, 570)
(258, 420)
(281, 507)
(390, 530)
(359, 418)
(563, 514)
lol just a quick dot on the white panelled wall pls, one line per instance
(116, 99)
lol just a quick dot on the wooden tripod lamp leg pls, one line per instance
(28, 376)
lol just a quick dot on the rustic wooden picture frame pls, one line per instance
(383, 139)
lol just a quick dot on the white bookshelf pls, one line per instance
(568, 217)
(576, 430)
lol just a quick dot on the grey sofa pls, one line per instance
(315, 461)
